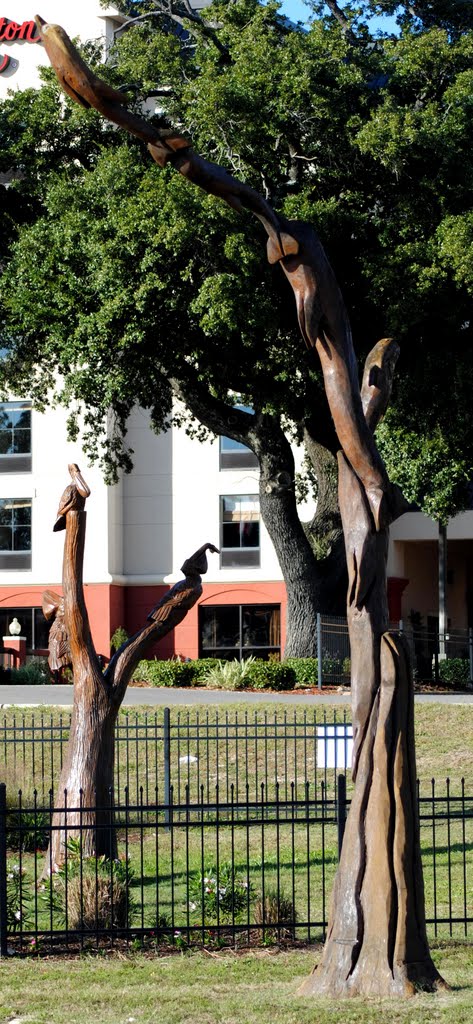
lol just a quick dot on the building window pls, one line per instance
(237, 631)
(234, 455)
(33, 626)
(15, 533)
(239, 530)
(15, 437)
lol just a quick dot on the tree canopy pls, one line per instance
(123, 278)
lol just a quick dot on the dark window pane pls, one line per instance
(5, 442)
(231, 535)
(220, 626)
(5, 513)
(250, 535)
(22, 538)
(261, 626)
(41, 629)
(22, 515)
(21, 442)
(5, 539)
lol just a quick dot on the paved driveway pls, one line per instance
(61, 696)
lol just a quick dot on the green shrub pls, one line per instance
(224, 894)
(90, 892)
(455, 671)
(271, 675)
(165, 673)
(230, 675)
(202, 667)
(305, 670)
(119, 637)
(34, 673)
(27, 829)
(18, 900)
(276, 909)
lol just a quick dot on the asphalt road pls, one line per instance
(61, 696)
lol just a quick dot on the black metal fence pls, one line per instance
(229, 872)
(429, 650)
(157, 750)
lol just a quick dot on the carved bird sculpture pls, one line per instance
(185, 593)
(73, 499)
(59, 649)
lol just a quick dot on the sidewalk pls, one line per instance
(61, 696)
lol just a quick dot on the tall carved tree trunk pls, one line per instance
(86, 779)
(376, 941)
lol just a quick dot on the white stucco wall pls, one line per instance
(51, 454)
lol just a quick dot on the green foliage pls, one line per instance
(305, 670)
(33, 673)
(28, 827)
(455, 671)
(370, 142)
(271, 675)
(119, 637)
(231, 675)
(223, 893)
(18, 900)
(90, 892)
(165, 673)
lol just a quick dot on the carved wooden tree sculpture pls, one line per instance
(376, 942)
(88, 770)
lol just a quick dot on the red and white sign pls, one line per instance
(13, 32)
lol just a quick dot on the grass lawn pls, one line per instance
(254, 988)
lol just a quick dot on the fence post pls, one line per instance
(319, 650)
(341, 810)
(3, 871)
(167, 765)
(470, 650)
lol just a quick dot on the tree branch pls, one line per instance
(169, 612)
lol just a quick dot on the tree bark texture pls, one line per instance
(376, 942)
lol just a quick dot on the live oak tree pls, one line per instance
(335, 127)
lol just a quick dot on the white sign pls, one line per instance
(335, 746)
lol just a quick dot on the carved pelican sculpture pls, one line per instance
(185, 593)
(73, 499)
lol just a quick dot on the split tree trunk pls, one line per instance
(85, 797)
(86, 780)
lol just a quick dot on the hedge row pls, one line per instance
(257, 674)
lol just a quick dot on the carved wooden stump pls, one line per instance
(376, 943)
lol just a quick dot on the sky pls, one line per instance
(297, 10)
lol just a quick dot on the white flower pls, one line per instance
(18, 915)
(192, 906)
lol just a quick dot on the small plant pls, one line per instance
(165, 673)
(119, 637)
(18, 899)
(220, 893)
(90, 893)
(34, 673)
(271, 675)
(231, 675)
(28, 826)
(276, 912)
(454, 671)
